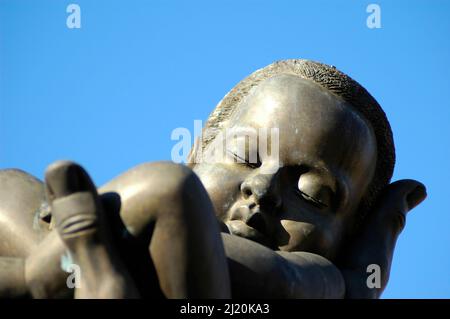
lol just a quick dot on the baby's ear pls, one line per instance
(193, 153)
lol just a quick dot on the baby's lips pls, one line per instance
(239, 228)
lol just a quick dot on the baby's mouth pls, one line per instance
(250, 225)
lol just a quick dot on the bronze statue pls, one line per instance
(304, 226)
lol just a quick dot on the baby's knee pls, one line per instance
(166, 180)
(153, 190)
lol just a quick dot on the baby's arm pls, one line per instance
(259, 272)
(313, 276)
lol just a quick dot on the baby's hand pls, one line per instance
(376, 242)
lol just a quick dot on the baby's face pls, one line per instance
(307, 198)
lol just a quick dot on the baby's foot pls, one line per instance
(81, 223)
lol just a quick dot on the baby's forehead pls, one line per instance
(290, 102)
(285, 85)
(287, 94)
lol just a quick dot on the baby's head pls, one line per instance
(335, 155)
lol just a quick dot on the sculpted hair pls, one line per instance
(336, 82)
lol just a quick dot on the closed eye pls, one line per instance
(241, 160)
(310, 199)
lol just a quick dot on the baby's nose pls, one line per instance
(260, 188)
(256, 186)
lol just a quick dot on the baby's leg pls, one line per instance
(31, 255)
(166, 204)
(23, 227)
(12, 277)
(84, 229)
(22, 203)
(39, 275)
(162, 203)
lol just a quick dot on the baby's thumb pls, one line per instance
(397, 200)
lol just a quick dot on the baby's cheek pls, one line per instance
(301, 236)
(221, 184)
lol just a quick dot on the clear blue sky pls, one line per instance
(108, 95)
